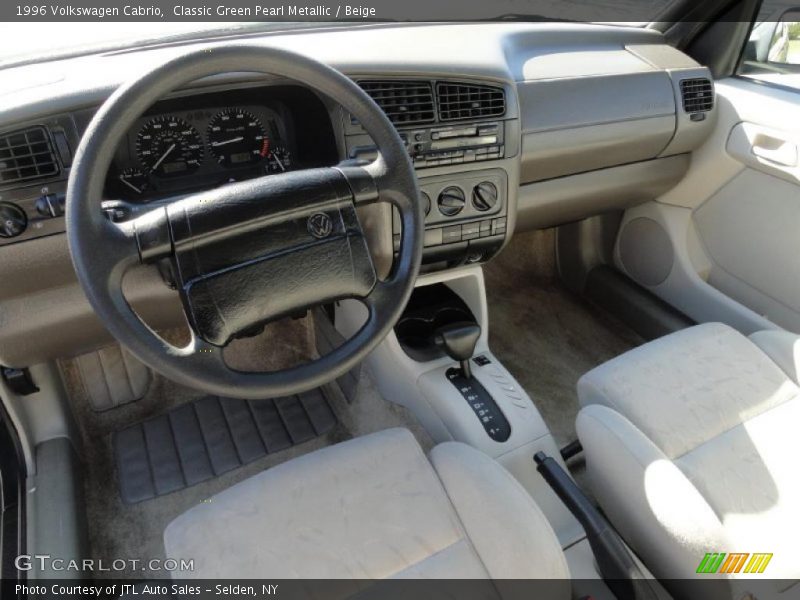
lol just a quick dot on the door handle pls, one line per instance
(774, 150)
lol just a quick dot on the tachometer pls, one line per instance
(236, 138)
(169, 146)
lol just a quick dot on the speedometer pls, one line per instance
(169, 146)
(237, 138)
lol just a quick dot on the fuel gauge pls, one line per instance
(279, 160)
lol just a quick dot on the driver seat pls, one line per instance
(373, 507)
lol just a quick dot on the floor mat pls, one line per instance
(545, 335)
(211, 436)
(119, 529)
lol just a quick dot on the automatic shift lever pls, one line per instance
(458, 341)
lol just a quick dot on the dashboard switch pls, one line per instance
(50, 205)
(470, 231)
(451, 234)
(433, 237)
(499, 226)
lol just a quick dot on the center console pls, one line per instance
(465, 216)
(463, 139)
(438, 364)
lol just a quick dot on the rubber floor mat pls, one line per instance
(211, 436)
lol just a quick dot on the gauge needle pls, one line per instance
(230, 141)
(130, 185)
(278, 160)
(163, 156)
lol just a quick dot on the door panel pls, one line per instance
(734, 221)
(751, 231)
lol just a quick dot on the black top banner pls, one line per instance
(597, 11)
(325, 10)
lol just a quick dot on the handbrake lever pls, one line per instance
(617, 567)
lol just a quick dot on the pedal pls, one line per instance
(112, 377)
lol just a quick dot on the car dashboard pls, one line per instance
(525, 126)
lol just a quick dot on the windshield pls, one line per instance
(29, 39)
(33, 42)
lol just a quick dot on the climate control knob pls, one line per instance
(451, 201)
(484, 196)
(13, 220)
(426, 202)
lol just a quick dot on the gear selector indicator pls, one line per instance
(482, 404)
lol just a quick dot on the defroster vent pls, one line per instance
(26, 154)
(697, 94)
(405, 102)
(469, 101)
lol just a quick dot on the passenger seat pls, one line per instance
(691, 446)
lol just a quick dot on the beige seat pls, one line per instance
(691, 445)
(370, 508)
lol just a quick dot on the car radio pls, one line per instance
(447, 145)
(455, 144)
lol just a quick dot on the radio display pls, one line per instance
(464, 142)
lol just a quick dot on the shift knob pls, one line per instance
(458, 341)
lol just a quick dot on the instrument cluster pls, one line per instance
(183, 150)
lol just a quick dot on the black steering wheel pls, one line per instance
(249, 252)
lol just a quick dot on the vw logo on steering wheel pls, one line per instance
(320, 225)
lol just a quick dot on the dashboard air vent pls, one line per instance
(469, 101)
(697, 94)
(405, 102)
(26, 154)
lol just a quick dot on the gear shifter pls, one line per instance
(458, 341)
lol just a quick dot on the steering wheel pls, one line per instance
(248, 252)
